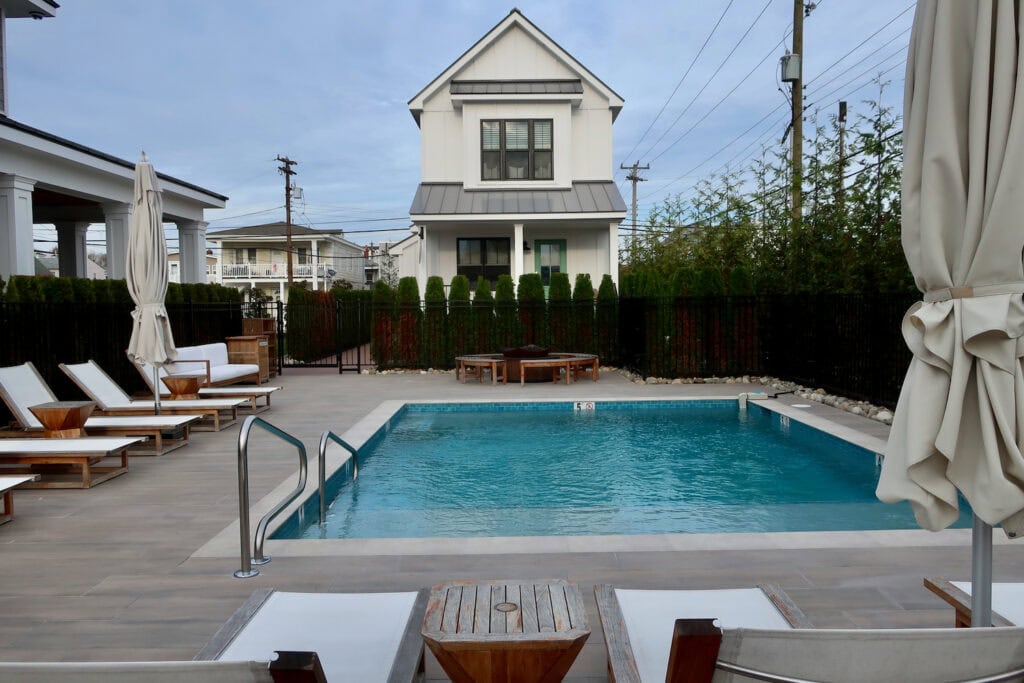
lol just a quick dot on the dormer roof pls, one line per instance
(449, 77)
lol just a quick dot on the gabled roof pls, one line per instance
(514, 18)
(279, 229)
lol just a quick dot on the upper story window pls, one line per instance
(516, 150)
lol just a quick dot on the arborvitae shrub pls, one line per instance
(382, 340)
(683, 282)
(409, 317)
(434, 338)
(460, 317)
(27, 287)
(83, 290)
(741, 282)
(506, 327)
(483, 318)
(530, 297)
(583, 314)
(57, 290)
(606, 320)
(709, 283)
(560, 328)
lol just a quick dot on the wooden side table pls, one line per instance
(184, 386)
(63, 419)
(521, 631)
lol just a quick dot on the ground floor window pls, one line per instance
(483, 256)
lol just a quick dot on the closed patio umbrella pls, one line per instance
(146, 273)
(959, 423)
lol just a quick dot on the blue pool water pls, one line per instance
(625, 468)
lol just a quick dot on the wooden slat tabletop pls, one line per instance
(505, 610)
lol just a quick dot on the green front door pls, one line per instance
(549, 257)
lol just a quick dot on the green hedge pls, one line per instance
(31, 289)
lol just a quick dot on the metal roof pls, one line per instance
(279, 229)
(565, 86)
(454, 199)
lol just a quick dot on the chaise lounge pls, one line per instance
(21, 386)
(250, 393)
(1007, 598)
(762, 635)
(366, 637)
(637, 624)
(25, 456)
(112, 400)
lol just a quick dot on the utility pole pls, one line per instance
(634, 177)
(841, 188)
(286, 170)
(798, 114)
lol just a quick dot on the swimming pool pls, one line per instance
(625, 467)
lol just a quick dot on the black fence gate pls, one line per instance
(334, 334)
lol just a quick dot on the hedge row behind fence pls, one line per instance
(51, 333)
(847, 344)
(319, 325)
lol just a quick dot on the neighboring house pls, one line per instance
(174, 268)
(381, 264)
(50, 265)
(256, 257)
(516, 147)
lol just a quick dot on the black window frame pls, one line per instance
(488, 270)
(532, 151)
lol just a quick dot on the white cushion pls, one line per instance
(1007, 599)
(221, 373)
(217, 354)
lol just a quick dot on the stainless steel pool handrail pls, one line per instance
(328, 435)
(243, 493)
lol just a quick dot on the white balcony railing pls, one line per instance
(275, 271)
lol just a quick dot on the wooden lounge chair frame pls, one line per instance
(622, 665)
(213, 412)
(407, 666)
(960, 601)
(159, 438)
(250, 393)
(30, 455)
(7, 486)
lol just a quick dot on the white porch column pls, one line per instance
(281, 291)
(421, 266)
(192, 247)
(71, 248)
(314, 258)
(613, 254)
(17, 256)
(517, 252)
(118, 219)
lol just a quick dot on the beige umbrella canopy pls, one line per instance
(959, 423)
(146, 274)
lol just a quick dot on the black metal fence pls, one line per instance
(52, 333)
(847, 344)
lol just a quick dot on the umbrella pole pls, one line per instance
(156, 388)
(981, 573)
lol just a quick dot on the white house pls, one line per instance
(174, 267)
(516, 147)
(256, 257)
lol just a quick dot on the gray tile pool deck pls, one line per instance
(132, 569)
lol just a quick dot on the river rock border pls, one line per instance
(775, 385)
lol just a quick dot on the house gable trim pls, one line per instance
(514, 18)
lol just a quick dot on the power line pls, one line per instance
(706, 84)
(861, 43)
(685, 74)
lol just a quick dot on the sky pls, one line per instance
(213, 92)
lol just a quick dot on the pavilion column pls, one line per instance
(613, 253)
(118, 218)
(17, 256)
(517, 251)
(72, 250)
(192, 247)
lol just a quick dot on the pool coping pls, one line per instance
(227, 542)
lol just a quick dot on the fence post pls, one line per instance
(338, 350)
(279, 319)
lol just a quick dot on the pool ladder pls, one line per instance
(257, 556)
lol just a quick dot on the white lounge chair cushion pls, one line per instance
(25, 389)
(205, 392)
(140, 421)
(84, 445)
(1007, 599)
(872, 655)
(649, 616)
(356, 635)
(220, 369)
